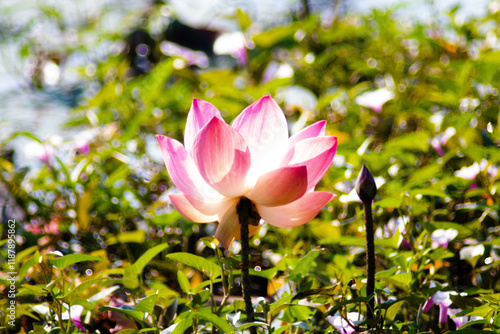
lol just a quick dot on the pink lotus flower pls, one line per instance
(253, 158)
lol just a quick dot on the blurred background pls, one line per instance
(409, 88)
(50, 50)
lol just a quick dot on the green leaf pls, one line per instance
(209, 268)
(103, 293)
(281, 329)
(138, 236)
(331, 291)
(492, 57)
(137, 315)
(35, 259)
(183, 281)
(391, 202)
(130, 275)
(393, 310)
(267, 273)
(70, 259)
(145, 258)
(273, 36)
(428, 192)
(348, 302)
(466, 302)
(480, 311)
(252, 324)
(130, 278)
(65, 171)
(25, 253)
(343, 241)
(167, 219)
(129, 331)
(303, 266)
(296, 313)
(471, 331)
(211, 242)
(422, 175)
(414, 141)
(147, 304)
(39, 290)
(80, 288)
(84, 302)
(185, 323)
(217, 321)
(243, 19)
(402, 280)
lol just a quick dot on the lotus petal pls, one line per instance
(222, 157)
(200, 211)
(264, 128)
(315, 130)
(182, 170)
(201, 113)
(280, 186)
(315, 153)
(296, 213)
(229, 228)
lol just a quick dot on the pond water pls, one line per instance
(44, 112)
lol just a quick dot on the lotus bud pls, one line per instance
(365, 185)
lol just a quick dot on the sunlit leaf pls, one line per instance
(126, 310)
(35, 259)
(147, 304)
(183, 281)
(221, 323)
(304, 265)
(70, 259)
(209, 268)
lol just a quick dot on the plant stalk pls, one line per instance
(244, 211)
(370, 260)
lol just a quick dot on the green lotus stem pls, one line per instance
(245, 212)
(367, 189)
(370, 258)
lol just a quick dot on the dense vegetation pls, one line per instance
(417, 103)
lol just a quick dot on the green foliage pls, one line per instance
(135, 265)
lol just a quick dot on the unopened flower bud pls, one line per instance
(365, 185)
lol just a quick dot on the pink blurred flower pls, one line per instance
(76, 314)
(122, 321)
(252, 158)
(190, 56)
(460, 321)
(43, 152)
(375, 99)
(39, 227)
(342, 325)
(276, 71)
(441, 140)
(233, 44)
(441, 238)
(442, 299)
(83, 139)
(468, 173)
